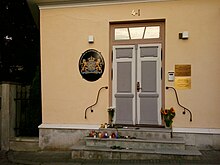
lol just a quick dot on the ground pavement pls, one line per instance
(64, 158)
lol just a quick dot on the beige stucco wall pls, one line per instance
(64, 33)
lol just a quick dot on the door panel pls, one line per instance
(124, 52)
(148, 74)
(123, 84)
(150, 51)
(124, 77)
(124, 113)
(148, 106)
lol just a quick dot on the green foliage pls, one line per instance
(168, 115)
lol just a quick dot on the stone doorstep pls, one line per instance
(175, 140)
(84, 152)
(173, 143)
(137, 129)
(163, 133)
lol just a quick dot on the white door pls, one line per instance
(137, 84)
(124, 65)
(149, 78)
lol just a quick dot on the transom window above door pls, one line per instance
(132, 33)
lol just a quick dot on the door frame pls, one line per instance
(160, 40)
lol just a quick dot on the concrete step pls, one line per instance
(100, 153)
(140, 133)
(172, 143)
(24, 144)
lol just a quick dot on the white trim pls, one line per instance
(69, 126)
(197, 130)
(58, 5)
(94, 126)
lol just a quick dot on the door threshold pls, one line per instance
(24, 144)
(138, 126)
(25, 139)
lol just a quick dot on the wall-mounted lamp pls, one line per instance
(90, 39)
(184, 35)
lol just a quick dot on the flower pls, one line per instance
(111, 112)
(168, 115)
(172, 110)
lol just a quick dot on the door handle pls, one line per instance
(138, 86)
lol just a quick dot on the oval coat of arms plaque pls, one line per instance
(91, 65)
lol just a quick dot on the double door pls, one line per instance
(136, 93)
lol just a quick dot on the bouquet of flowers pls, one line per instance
(168, 115)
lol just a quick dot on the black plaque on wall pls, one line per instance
(91, 65)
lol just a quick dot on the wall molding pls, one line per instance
(57, 5)
(95, 126)
(68, 126)
(197, 130)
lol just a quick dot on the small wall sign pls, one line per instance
(91, 65)
(183, 82)
(182, 70)
(182, 77)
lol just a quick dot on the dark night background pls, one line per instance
(19, 44)
(20, 63)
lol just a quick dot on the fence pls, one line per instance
(28, 111)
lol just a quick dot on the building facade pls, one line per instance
(123, 55)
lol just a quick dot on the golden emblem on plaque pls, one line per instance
(91, 65)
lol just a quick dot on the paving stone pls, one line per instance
(58, 158)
